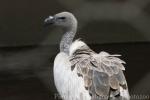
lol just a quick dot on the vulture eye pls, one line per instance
(61, 17)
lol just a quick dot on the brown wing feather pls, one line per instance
(101, 72)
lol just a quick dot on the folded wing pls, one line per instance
(102, 73)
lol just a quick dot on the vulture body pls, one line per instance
(82, 74)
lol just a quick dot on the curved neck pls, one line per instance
(67, 39)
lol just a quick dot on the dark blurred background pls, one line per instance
(27, 49)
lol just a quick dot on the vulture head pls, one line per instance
(63, 19)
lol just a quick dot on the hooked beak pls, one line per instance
(48, 21)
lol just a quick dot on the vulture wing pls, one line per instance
(102, 73)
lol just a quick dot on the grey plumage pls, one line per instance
(102, 72)
(82, 74)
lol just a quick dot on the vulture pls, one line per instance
(82, 74)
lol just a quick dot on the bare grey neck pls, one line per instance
(67, 39)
